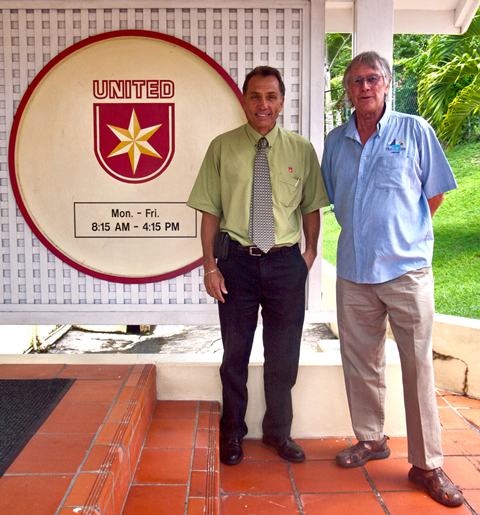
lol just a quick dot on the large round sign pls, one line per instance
(106, 145)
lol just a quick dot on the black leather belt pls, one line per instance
(255, 251)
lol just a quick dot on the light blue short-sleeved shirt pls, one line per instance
(379, 191)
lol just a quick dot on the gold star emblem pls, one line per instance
(134, 141)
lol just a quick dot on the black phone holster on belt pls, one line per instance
(221, 245)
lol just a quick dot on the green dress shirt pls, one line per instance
(224, 183)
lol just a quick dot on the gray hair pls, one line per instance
(371, 59)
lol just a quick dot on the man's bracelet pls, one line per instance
(211, 271)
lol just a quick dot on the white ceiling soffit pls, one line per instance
(411, 16)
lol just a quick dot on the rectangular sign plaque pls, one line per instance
(134, 220)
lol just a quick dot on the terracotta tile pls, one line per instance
(202, 438)
(390, 474)
(127, 393)
(251, 477)
(451, 445)
(113, 459)
(461, 441)
(475, 460)
(203, 484)
(75, 418)
(92, 391)
(28, 495)
(116, 433)
(136, 373)
(133, 413)
(171, 433)
(340, 504)
(326, 476)
(473, 499)
(155, 500)
(164, 466)
(198, 484)
(30, 371)
(462, 472)
(417, 502)
(200, 459)
(176, 409)
(441, 401)
(323, 448)
(91, 488)
(201, 506)
(206, 459)
(135, 446)
(213, 406)
(472, 415)
(98, 456)
(146, 416)
(119, 411)
(398, 447)
(451, 420)
(462, 401)
(103, 372)
(254, 449)
(259, 504)
(52, 453)
(206, 420)
(122, 478)
(144, 373)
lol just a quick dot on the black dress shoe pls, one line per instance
(231, 452)
(286, 448)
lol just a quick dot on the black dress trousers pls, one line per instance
(274, 282)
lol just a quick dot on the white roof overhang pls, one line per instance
(410, 16)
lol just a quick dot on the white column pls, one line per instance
(373, 27)
(317, 95)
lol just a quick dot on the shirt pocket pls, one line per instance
(393, 171)
(289, 190)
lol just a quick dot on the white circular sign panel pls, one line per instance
(106, 146)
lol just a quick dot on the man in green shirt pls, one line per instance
(229, 193)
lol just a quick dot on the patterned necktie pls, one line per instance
(261, 227)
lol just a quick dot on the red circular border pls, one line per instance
(16, 123)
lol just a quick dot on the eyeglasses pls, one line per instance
(371, 80)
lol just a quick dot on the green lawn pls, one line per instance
(456, 261)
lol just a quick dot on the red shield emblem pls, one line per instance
(134, 142)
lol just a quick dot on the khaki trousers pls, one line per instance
(362, 320)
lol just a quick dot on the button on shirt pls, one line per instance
(379, 191)
(224, 183)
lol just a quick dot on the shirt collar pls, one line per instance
(383, 122)
(351, 130)
(254, 136)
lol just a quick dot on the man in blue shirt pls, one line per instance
(386, 173)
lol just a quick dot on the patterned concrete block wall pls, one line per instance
(32, 279)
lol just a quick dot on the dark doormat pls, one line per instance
(24, 405)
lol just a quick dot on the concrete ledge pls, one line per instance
(456, 347)
(456, 342)
(320, 404)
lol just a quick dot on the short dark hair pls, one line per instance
(264, 71)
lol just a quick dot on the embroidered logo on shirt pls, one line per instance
(396, 146)
(290, 169)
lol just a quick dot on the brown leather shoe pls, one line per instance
(363, 451)
(437, 485)
(286, 448)
(231, 452)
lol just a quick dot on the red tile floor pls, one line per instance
(109, 448)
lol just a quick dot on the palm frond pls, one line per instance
(464, 105)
